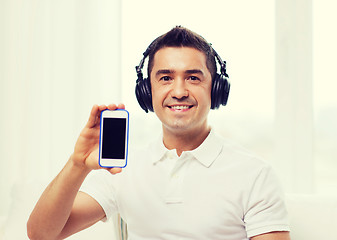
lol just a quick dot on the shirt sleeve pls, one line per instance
(266, 209)
(98, 185)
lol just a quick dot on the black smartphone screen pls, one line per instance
(113, 140)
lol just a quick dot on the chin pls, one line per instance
(179, 127)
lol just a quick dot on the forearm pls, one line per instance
(54, 206)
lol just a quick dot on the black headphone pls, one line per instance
(219, 93)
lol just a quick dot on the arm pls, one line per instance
(62, 210)
(273, 236)
(266, 210)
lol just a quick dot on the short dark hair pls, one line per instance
(182, 37)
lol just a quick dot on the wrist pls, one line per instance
(78, 166)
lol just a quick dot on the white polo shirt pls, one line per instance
(217, 191)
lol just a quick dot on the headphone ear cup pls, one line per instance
(214, 95)
(144, 95)
(220, 91)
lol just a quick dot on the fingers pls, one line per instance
(93, 116)
(114, 106)
(114, 170)
(121, 106)
(96, 112)
(102, 108)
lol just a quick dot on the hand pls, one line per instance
(87, 146)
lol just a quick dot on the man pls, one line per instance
(189, 184)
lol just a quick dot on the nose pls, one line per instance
(179, 89)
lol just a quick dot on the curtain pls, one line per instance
(57, 59)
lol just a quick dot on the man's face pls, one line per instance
(181, 89)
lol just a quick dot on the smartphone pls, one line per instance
(114, 138)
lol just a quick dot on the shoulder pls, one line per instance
(246, 169)
(234, 154)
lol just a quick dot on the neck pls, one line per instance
(184, 141)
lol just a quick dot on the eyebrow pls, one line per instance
(164, 71)
(168, 71)
(194, 71)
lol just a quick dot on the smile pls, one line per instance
(180, 107)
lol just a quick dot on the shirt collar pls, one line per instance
(206, 153)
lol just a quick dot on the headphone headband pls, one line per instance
(222, 63)
(140, 66)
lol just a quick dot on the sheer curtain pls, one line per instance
(294, 98)
(325, 98)
(57, 59)
(306, 103)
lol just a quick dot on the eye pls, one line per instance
(193, 78)
(165, 78)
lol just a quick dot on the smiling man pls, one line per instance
(181, 92)
(190, 183)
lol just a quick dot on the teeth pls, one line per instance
(180, 107)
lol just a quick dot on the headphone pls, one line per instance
(220, 84)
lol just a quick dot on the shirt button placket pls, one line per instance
(175, 186)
